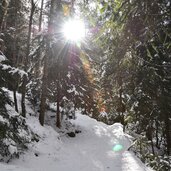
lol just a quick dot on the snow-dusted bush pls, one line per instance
(157, 161)
(14, 133)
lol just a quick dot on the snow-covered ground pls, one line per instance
(90, 150)
(98, 147)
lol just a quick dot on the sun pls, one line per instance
(74, 30)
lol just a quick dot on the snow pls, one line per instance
(2, 58)
(12, 149)
(73, 89)
(13, 70)
(11, 111)
(103, 114)
(90, 150)
(3, 119)
(69, 75)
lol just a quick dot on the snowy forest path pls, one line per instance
(98, 147)
(94, 149)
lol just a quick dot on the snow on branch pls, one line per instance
(13, 70)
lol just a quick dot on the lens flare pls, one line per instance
(74, 30)
(87, 67)
(117, 148)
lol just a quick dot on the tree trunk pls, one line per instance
(41, 16)
(58, 116)
(45, 71)
(3, 14)
(37, 66)
(121, 107)
(23, 95)
(15, 101)
(157, 136)
(166, 113)
(152, 147)
(26, 60)
(168, 132)
(44, 92)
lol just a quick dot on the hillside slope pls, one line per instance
(97, 148)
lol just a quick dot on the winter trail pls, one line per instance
(90, 150)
